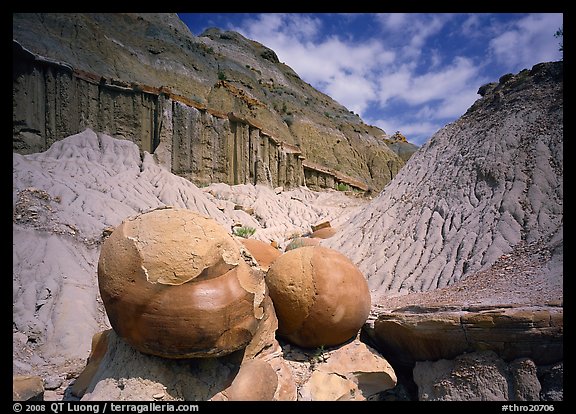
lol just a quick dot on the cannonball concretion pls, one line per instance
(321, 298)
(174, 284)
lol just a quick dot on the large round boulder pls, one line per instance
(174, 284)
(320, 296)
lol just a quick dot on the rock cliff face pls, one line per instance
(213, 108)
(478, 188)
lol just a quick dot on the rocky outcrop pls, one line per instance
(477, 376)
(400, 145)
(477, 188)
(406, 336)
(202, 145)
(552, 381)
(146, 78)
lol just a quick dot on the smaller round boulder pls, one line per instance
(264, 253)
(320, 296)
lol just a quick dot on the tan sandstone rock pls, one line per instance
(324, 233)
(174, 284)
(255, 381)
(354, 371)
(322, 225)
(99, 348)
(320, 297)
(323, 230)
(257, 372)
(27, 388)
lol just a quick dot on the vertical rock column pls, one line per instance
(198, 145)
(164, 132)
(241, 151)
(28, 108)
(273, 160)
(87, 105)
(181, 150)
(215, 162)
(282, 167)
(61, 110)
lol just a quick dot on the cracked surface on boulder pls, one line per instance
(174, 284)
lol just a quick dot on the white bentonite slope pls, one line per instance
(63, 200)
(474, 191)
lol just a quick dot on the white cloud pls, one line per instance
(472, 26)
(528, 41)
(401, 72)
(410, 31)
(343, 68)
(442, 84)
(393, 21)
(458, 103)
(355, 90)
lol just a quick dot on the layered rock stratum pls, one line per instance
(147, 78)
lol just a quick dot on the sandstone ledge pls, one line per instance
(411, 334)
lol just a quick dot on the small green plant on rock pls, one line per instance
(318, 357)
(222, 76)
(244, 231)
(342, 187)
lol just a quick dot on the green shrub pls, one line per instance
(244, 231)
(342, 187)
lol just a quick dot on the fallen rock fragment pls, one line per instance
(27, 388)
(99, 348)
(255, 381)
(353, 372)
(324, 233)
(322, 225)
(323, 230)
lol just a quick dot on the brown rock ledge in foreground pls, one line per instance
(428, 334)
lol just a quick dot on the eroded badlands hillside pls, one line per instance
(479, 187)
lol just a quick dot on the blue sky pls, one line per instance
(412, 72)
